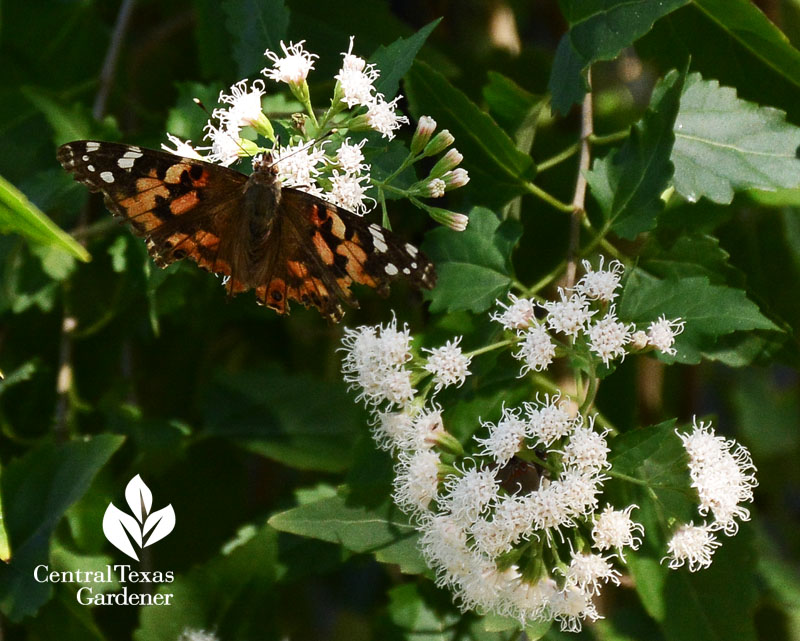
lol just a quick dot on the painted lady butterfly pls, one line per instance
(282, 242)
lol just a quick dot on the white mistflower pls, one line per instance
(182, 148)
(549, 420)
(298, 165)
(350, 158)
(579, 491)
(588, 571)
(291, 68)
(569, 315)
(639, 340)
(517, 314)
(723, 474)
(355, 79)
(348, 192)
(661, 334)
(536, 349)
(447, 364)
(530, 601)
(693, 545)
(506, 438)
(615, 529)
(443, 544)
(225, 148)
(416, 480)
(435, 188)
(608, 337)
(470, 495)
(587, 450)
(394, 430)
(600, 284)
(455, 178)
(484, 586)
(549, 509)
(382, 117)
(245, 104)
(570, 606)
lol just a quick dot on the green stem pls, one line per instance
(558, 158)
(550, 200)
(489, 348)
(546, 280)
(385, 213)
(609, 139)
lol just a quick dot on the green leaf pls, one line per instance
(509, 104)
(744, 22)
(709, 311)
(598, 30)
(724, 144)
(473, 266)
(629, 183)
(396, 59)
(186, 120)
(383, 531)
(416, 618)
(233, 593)
(272, 413)
(718, 602)
(498, 170)
(36, 490)
(255, 26)
(19, 215)
(688, 255)
(69, 123)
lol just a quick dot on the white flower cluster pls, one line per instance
(574, 320)
(506, 501)
(723, 474)
(339, 175)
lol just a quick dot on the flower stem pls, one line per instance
(546, 197)
(489, 348)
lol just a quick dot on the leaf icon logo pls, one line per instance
(126, 532)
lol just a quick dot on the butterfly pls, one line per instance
(284, 243)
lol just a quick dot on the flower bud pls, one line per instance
(450, 160)
(456, 222)
(448, 443)
(638, 340)
(440, 142)
(247, 148)
(456, 178)
(425, 128)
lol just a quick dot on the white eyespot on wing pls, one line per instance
(406, 271)
(390, 269)
(125, 162)
(134, 151)
(85, 158)
(92, 146)
(411, 249)
(107, 176)
(90, 167)
(413, 265)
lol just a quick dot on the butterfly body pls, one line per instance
(281, 242)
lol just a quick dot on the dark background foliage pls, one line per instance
(234, 415)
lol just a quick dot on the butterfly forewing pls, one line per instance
(180, 205)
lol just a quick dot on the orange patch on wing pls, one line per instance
(202, 181)
(175, 172)
(297, 268)
(145, 221)
(323, 249)
(337, 228)
(184, 203)
(145, 200)
(275, 295)
(355, 261)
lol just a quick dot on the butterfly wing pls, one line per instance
(324, 249)
(181, 206)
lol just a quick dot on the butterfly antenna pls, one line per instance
(327, 134)
(200, 104)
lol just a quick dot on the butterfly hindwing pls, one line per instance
(179, 205)
(329, 249)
